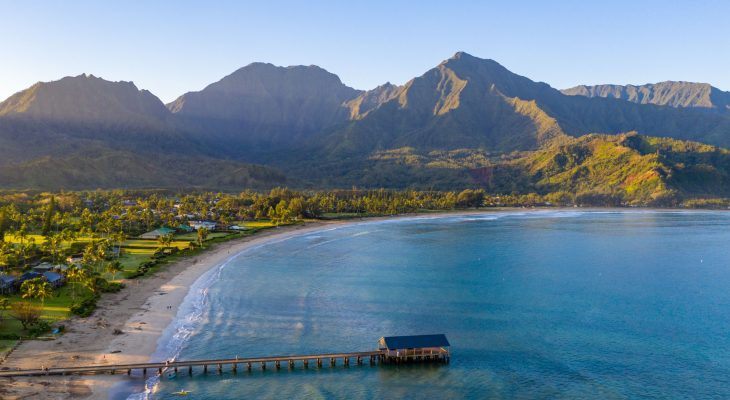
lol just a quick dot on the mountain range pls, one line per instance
(466, 122)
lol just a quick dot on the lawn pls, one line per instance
(5, 345)
(153, 244)
(193, 236)
(264, 223)
(40, 239)
(56, 308)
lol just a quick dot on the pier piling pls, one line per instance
(375, 357)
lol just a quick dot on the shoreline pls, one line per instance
(146, 308)
(142, 312)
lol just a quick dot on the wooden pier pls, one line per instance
(381, 356)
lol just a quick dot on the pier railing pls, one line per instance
(317, 360)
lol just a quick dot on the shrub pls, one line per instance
(26, 312)
(86, 307)
(111, 287)
(39, 328)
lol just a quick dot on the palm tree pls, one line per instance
(165, 240)
(119, 238)
(202, 235)
(90, 256)
(101, 253)
(89, 282)
(28, 288)
(43, 291)
(36, 288)
(75, 275)
(22, 234)
(4, 304)
(53, 245)
(114, 268)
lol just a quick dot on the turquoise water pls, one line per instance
(555, 304)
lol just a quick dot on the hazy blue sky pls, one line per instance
(171, 47)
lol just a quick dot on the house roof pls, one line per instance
(159, 232)
(43, 267)
(7, 278)
(52, 276)
(417, 341)
(29, 275)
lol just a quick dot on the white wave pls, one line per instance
(188, 319)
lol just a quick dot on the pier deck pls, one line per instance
(290, 361)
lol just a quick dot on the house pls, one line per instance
(75, 259)
(209, 225)
(397, 348)
(237, 228)
(8, 284)
(185, 228)
(55, 279)
(157, 233)
(28, 276)
(46, 267)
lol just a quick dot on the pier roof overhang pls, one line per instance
(412, 342)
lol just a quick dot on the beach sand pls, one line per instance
(141, 311)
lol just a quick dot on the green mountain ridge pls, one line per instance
(675, 94)
(466, 122)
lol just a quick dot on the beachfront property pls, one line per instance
(75, 259)
(185, 228)
(209, 225)
(155, 234)
(7, 284)
(55, 279)
(28, 276)
(48, 267)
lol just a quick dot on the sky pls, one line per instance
(172, 47)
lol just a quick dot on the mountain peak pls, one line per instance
(86, 99)
(461, 54)
(267, 101)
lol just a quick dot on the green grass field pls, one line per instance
(256, 224)
(193, 236)
(55, 308)
(5, 345)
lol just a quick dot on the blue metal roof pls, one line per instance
(29, 275)
(7, 278)
(52, 276)
(417, 341)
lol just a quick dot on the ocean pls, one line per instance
(568, 304)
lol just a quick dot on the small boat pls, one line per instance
(182, 393)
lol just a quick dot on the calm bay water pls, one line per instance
(554, 304)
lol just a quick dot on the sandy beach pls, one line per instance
(141, 311)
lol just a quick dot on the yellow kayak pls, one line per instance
(182, 393)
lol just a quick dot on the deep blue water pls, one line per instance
(554, 304)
